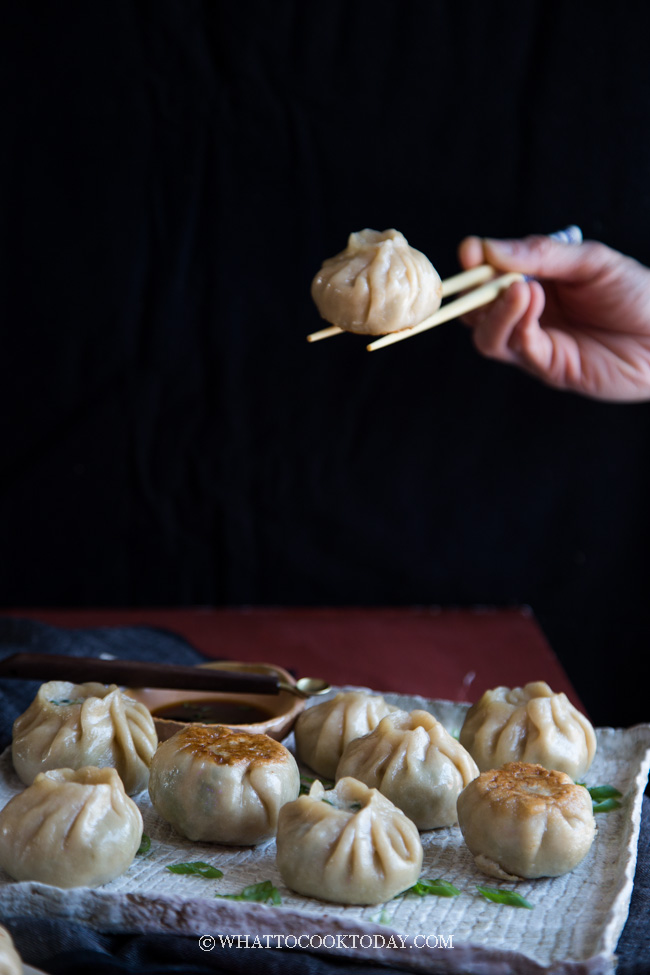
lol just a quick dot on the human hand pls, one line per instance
(583, 325)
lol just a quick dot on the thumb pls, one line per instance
(542, 257)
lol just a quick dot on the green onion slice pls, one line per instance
(145, 845)
(604, 797)
(262, 893)
(196, 869)
(437, 887)
(509, 897)
(607, 805)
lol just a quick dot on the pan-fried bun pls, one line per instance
(523, 820)
(218, 785)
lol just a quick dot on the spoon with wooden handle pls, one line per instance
(141, 673)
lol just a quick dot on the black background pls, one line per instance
(172, 175)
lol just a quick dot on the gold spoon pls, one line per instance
(306, 687)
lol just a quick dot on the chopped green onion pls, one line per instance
(607, 805)
(438, 887)
(196, 869)
(262, 893)
(600, 792)
(62, 702)
(604, 797)
(145, 845)
(510, 897)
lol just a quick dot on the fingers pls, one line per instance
(470, 252)
(508, 329)
(597, 324)
(541, 257)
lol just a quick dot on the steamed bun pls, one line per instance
(348, 845)
(72, 725)
(378, 284)
(70, 828)
(413, 761)
(529, 724)
(323, 730)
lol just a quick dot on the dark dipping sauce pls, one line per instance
(212, 712)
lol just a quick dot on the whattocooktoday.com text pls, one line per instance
(331, 941)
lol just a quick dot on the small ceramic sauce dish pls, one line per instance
(269, 714)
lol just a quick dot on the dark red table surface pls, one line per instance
(452, 654)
